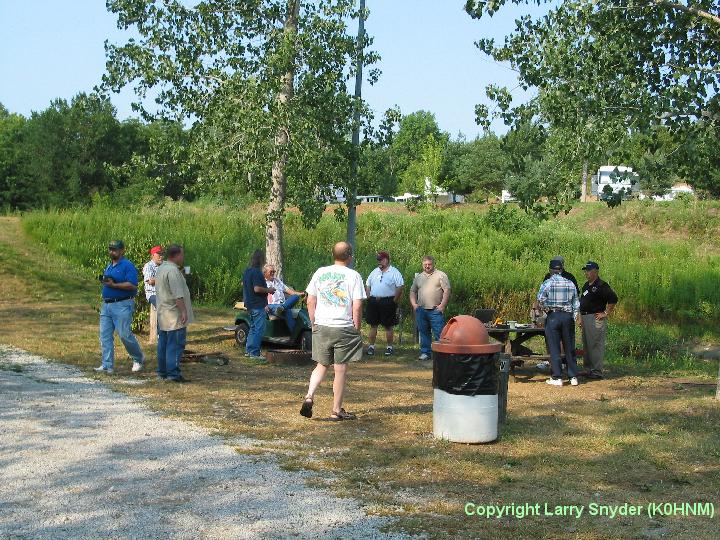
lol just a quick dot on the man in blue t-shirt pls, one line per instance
(120, 281)
(255, 291)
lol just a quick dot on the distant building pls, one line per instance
(439, 195)
(506, 197)
(405, 197)
(371, 198)
(617, 177)
(677, 189)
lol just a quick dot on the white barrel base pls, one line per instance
(465, 419)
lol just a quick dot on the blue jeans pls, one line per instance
(153, 300)
(290, 301)
(117, 317)
(560, 327)
(258, 318)
(170, 348)
(428, 320)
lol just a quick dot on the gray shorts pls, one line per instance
(331, 345)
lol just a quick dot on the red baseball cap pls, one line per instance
(383, 255)
(155, 249)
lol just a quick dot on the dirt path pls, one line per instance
(81, 461)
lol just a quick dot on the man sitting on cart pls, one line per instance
(284, 297)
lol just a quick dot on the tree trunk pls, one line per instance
(717, 392)
(583, 188)
(276, 207)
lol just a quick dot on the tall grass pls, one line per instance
(494, 259)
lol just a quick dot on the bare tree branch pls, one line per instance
(689, 9)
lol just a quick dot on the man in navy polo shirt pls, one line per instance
(120, 281)
(255, 291)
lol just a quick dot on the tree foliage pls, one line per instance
(602, 69)
(222, 64)
(60, 156)
(478, 167)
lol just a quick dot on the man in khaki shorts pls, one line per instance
(334, 303)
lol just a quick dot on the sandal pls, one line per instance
(306, 409)
(341, 415)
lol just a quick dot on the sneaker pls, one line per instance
(554, 382)
(259, 359)
(594, 376)
(371, 350)
(573, 381)
(424, 357)
(389, 351)
(137, 366)
(543, 366)
(103, 369)
(179, 379)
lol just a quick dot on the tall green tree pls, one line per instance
(422, 175)
(412, 136)
(264, 81)
(13, 191)
(66, 148)
(478, 167)
(377, 171)
(160, 164)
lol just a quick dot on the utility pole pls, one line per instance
(352, 213)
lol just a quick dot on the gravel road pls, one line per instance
(78, 460)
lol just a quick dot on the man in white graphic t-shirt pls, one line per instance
(334, 303)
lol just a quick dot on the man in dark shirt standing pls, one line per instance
(564, 273)
(255, 291)
(597, 302)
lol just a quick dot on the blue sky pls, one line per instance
(51, 49)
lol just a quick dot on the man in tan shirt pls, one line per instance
(429, 296)
(174, 311)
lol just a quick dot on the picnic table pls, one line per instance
(514, 345)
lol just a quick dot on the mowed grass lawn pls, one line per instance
(629, 439)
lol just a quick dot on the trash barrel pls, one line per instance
(465, 382)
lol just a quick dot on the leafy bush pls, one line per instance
(508, 218)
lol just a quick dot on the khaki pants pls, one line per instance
(152, 336)
(594, 333)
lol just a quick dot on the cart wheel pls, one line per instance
(306, 340)
(241, 334)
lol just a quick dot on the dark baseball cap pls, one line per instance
(383, 255)
(556, 264)
(116, 244)
(591, 265)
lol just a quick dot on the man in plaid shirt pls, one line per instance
(558, 297)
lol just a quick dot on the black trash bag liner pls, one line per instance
(466, 374)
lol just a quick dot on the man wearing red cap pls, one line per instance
(149, 271)
(384, 287)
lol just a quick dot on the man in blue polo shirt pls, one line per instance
(120, 280)
(255, 291)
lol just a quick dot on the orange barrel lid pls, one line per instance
(464, 334)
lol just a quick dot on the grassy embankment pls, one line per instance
(493, 259)
(636, 437)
